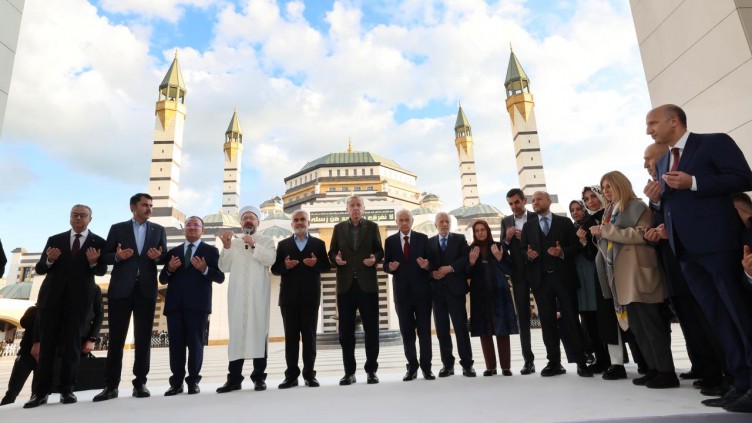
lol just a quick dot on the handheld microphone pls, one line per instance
(247, 232)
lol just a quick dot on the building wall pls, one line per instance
(10, 24)
(697, 54)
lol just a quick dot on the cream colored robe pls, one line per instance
(249, 295)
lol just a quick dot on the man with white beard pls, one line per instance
(247, 259)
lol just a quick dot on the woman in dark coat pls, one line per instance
(491, 307)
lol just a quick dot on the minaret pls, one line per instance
(520, 106)
(464, 142)
(164, 176)
(233, 148)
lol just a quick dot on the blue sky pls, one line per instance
(306, 76)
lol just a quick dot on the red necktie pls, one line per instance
(675, 155)
(406, 250)
(76, 245)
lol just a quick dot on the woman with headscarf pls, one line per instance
(491, 307)
(589, 293)
(628, 265)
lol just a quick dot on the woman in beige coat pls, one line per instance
(628, 267)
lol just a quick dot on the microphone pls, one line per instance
(247, 231)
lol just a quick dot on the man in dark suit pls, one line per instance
(511, 232)
(69, 262)
(405, 258)
(703, 350)
(448, 254)
(355, 250)
(25, 363)
(549, 241)
(190, 270)
(134, 248)
(693, 192)
(300, 260)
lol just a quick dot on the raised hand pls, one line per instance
(473, 256)
(653, 190)
(531, 254)
(199, 263)
(393, 265)
(226, 239)
(154, 253)
(422, 263)
(509, 234)
(497, 252)
(174, 264)
(290, 263)
(310, 261)
(92, 254)
(370, 261)
(555, 251)
(678, 180)
(339, 260)
(52, 254)
(747, 260)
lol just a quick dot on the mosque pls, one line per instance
(321, 187)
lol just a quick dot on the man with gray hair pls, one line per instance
(405, 258)
(300, 260)
(247, 259)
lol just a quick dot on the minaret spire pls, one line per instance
(164, 174)
(233, 148)
(521, 108)
(464, 142)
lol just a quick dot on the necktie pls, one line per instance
(675, 155)
(443, 244)
(188, 255)
(76, 245)
(544, 226)
(406, 250)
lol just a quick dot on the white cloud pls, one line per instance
(168, 10)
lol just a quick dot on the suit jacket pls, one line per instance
(456, 255)
(69, 282)
(562, 230)
(705, 220)
(300, 285)
(513, 249)
(409, 281)
(124, 273)
(369, 242)
(187, 288)
(94, 317)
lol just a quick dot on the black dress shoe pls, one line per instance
(288, 383)
(741, 405)
(7, 400)
(641, 370)
(193, 389)
(410, 375)
(731, 396)
(140, 391)
(615, 372)
(259, 385)
(36, 401)
(428, 375)
(68, 398)
(468, 372)
(372, 378)
(228, 387)
(553, 369)
(347, 380)
(506, 372)
(716, 391)
(446, 372)
(106, 394)
(642, 381)
(598, 367)
(312, 383)
(528, 368)
(174, 390)
(663, 380)
(690, 375)
(489, 372)
(583, 370)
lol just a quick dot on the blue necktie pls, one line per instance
(544, 226)
(443, 243)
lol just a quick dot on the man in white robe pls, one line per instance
(247, 259)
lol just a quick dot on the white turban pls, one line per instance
(250, 209)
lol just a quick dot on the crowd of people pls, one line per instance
(616, 273)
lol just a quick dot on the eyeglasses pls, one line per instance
(79, 215)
